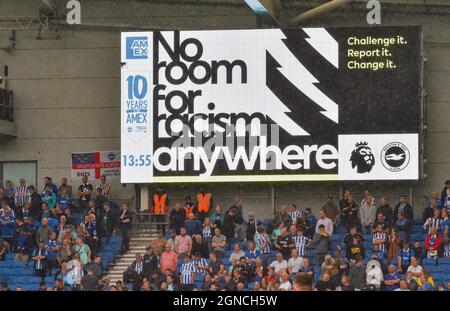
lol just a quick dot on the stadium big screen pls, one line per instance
(271, 105)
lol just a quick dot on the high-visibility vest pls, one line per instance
(159, 204)
(189, 210)
(204, 201)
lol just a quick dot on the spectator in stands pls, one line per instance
(104, 187)
(192, 225)
(151, 261)
(403, 226)
(367, 213)
(392, 279)
(83, 250)
(169, 259)
(415, 269)
(135, 273)
(106, 222)
(233, 228)
(405, 257)
(7, 225)
(124, 225)
(403, 207)
(433, 243)
(357, 274)
(64, 188)
(89, 282)
(394, 244)
(353, 241)
(403, 286)
(412, 283)
(322, 242)
(281, 218)
(96, 267)
(305, 223)
(279, 263)
(84, 193)
(237, 252)
(53, 247)
(345, 285)
(284, 243)
(10, 193)
(48, 183)
(380, 238)
(218, 243)
(158, 244)
(3, 197)
(428, 212)
(331, 209)
(100, 199)
(199, 245)
(40, 260)
(183, 243)
(216, 266)
(262, 242)
(303, 282)
(177, 217)
(374, 276)
(92, 238)
(385, 209)
(250, 226)
(381, 220)
(419, 252)
(65, 252)
(295, 263)
(49, 197)
(21, 194)
(24, 243)
(329, 266)
(424, 285)
(207, 231)
(324, 284)
(217, 217)
(445, 195)
(301, 242)
(44, 231)
(326, 222)
(35, 202)
(349, 212)
(445, 224)
(433, 222)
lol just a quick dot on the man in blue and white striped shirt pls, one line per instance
(262, 242)
(380, 238)
(187, 274)
(200, 264)
(294, 213)
(301, 242)
(21, 194)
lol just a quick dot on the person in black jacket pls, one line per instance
(135, 273)
(150, 262)
(36, 202)
(177, 216)
(349, 240)
(403, 207)
(385, 209)
(200, 246)
(445, 193)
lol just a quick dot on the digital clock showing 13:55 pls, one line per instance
(129, 160)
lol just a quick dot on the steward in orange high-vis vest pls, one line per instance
(159, 204)
(203, 202)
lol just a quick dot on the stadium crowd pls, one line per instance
(346, 246)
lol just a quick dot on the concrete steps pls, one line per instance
(139, 240)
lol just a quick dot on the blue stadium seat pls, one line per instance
(429, 261)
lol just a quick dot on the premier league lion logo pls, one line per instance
(362, 158)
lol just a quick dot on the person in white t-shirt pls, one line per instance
(295, 263)
(279, 263)
(415, 268)
(285, 284)
(324, 220)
